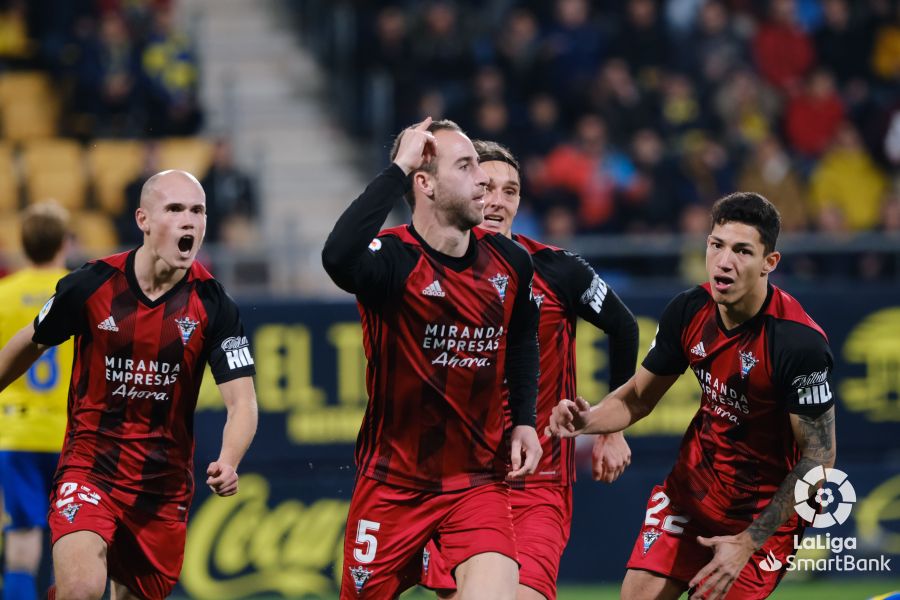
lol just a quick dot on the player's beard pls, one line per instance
(459, 211)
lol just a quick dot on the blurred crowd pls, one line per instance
(635, 115)
(123, 67)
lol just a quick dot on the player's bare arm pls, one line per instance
(816, 438)
(621, 408)
(240, 427)
(18, 355)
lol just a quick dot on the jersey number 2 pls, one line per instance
(672, 523)
(364, 537)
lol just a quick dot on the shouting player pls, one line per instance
(565, 288)
(33, 408)
(447, 314)
(766, 419)
(145, 324)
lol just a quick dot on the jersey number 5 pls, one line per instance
(364, 537)
(672, 523)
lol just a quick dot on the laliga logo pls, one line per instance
(825, 497)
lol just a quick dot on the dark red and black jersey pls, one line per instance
(136, 375)
(440, 335)
(740, 446)
(565, 288)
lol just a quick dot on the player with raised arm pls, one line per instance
(766, 419)
(145, 324)
(565, 288)
(447, 314)
(33, 408)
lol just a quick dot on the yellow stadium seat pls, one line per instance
(193, 155)
(9, 182)
(28, 120)
(113, 164)
(25, 86)
(54, 169)
(10, 235)
(95, 233)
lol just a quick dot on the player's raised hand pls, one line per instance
(568, 418)
(610, 457)
(222, 478)
(525, 443)
(416, 147)
(730, 555)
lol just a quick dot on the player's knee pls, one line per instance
(80, 587)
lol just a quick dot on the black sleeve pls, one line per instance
(60, 318)
(353, 257)
(802, 365)
(595, 302)
(522, 352)
(666, 356)
(226, 343)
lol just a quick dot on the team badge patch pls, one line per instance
(426, 560)
(650, 537)
(187, 326)
(70, 511)
(45, 309)
(500, 282)
(360, 577)
(375, 245)
(539, 299)
(748, 361)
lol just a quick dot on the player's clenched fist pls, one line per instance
(223, 479)
(416, 147)
(569, 418)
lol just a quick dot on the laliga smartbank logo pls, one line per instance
(830, 505)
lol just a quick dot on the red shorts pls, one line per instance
(143, 553)
(542, 518)
(667, 545)
(388, 526)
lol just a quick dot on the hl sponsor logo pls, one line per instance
(813, 388)
(595, 294)
(830, 505)
(237, 351)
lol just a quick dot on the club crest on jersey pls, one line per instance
(539, 299)
(360, 576)
(70, 511)
(650, 536)
(426, 560)
(748, 361)
(187, 326)
(500, 282)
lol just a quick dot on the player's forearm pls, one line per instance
(816, 439)
(240, 427)
(360, 223)
(17, 356)
(613, 413)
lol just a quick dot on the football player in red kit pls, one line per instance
(145, 322)
(766, 419)
(447, 316)
(565, 288)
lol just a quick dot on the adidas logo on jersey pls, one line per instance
(699, 350)
(108, 324)
(434, 290)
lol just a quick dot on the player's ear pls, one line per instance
(770, 263)
(140, 215)
(424, 183)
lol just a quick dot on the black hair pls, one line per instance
(751, 209)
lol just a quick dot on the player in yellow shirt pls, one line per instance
(33, 408)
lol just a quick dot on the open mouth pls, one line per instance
(185, 244)
(723, 282)
(493, 218)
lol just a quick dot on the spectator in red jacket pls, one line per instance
(813, 116)
(782, 51)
